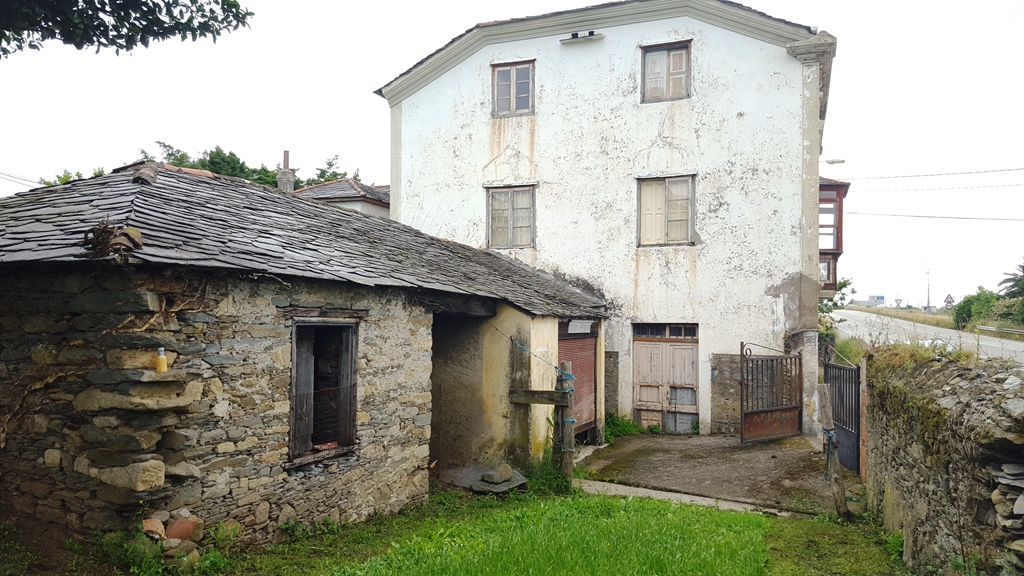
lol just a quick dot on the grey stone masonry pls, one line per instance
(90, 433)
(945, 463)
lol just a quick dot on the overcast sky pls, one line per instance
(916, 89)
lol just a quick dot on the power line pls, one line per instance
(937, 189)
(930, 175)
(940, 217)
(18, 182)
(15, 178)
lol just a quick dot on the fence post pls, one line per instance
(831, 450)
(863, 419)
(565, 424)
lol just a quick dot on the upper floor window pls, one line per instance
(513, 89)
(666, 72)
(666, 210)
(510, 217)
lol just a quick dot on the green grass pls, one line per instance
(826, 546)
(585, 536)
(15, 558)
(457, 533)
(941, 319)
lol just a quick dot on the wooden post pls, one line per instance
(567, 436)
(834, 470)
(863, 419)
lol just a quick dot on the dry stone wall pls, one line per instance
(945, 463)
(91, 434)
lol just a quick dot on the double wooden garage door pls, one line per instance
(665, 385)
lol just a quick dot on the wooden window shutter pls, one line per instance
(677, 84)
(652, 212)
(500, 215)
(678, 210)
(654, 75)
(302, 400)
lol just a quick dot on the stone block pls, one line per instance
(183, 470)
(138, 477)
(153, 528)
(114, 301)
(178, 439)
(103, 519)
(44, 324)
(186, 495)
(122, 359)
(51, 458)
(142, 397)
(50, 514)
(182, 528)
(78, 355)
(118, 440)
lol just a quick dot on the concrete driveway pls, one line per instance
(784, 474)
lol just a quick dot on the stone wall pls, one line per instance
(90, 433)
(725, 393)
(945, 463)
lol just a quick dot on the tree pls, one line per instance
(229, 164)
(117, 24)
(1014, 282)
(826, 323)
(974, 307)
(66, 177)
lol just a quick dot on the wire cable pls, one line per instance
(931, 175)
(938, 217)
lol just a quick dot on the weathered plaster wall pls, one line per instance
(88, 430)
(461, 429)
(945, 465)
(725, 393)
(741, 133)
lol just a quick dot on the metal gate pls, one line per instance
(844, 388)
(771, 402)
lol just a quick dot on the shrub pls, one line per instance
(849, 351)
(615, 426)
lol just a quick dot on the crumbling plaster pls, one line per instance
(743, 133)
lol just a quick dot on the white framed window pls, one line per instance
(510, 217)
(666, 210)
(512, 89)
(666, 72)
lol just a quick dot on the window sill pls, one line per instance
(516, 115)
(687, 97)
(314, 457)
(667, 245)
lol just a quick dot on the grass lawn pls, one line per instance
(458, 534)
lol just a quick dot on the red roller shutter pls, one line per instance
(581, 352)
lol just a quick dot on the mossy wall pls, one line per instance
(944, 444)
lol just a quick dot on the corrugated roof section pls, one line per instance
(223, 222)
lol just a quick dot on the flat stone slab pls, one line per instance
(472, 477)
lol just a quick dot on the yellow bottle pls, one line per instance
(161, 360)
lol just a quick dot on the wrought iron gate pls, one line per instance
(771, 402)
(844, 388)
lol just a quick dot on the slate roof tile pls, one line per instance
(215, 221)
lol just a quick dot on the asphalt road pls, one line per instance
(875, 328)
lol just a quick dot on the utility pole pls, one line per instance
(929, 304)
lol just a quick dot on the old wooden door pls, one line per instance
(665, 384)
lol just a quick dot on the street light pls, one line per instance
(832, 161)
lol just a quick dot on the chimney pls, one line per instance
(285, 177)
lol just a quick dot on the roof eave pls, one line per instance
(727, 15)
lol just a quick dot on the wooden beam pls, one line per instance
(555, 397)
(457, 304)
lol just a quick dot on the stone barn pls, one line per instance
(171, 339)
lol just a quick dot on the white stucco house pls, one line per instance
(663, 152)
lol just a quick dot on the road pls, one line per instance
(875, 328)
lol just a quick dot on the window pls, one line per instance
(323, 392)
(666, 72)
(513, 89)
(666, 210)
(828, 226)
(510, 216)
(661, 331)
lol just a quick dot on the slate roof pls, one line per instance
(345, 189)
(192, 219)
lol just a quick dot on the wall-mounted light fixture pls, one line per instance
(581, 37)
